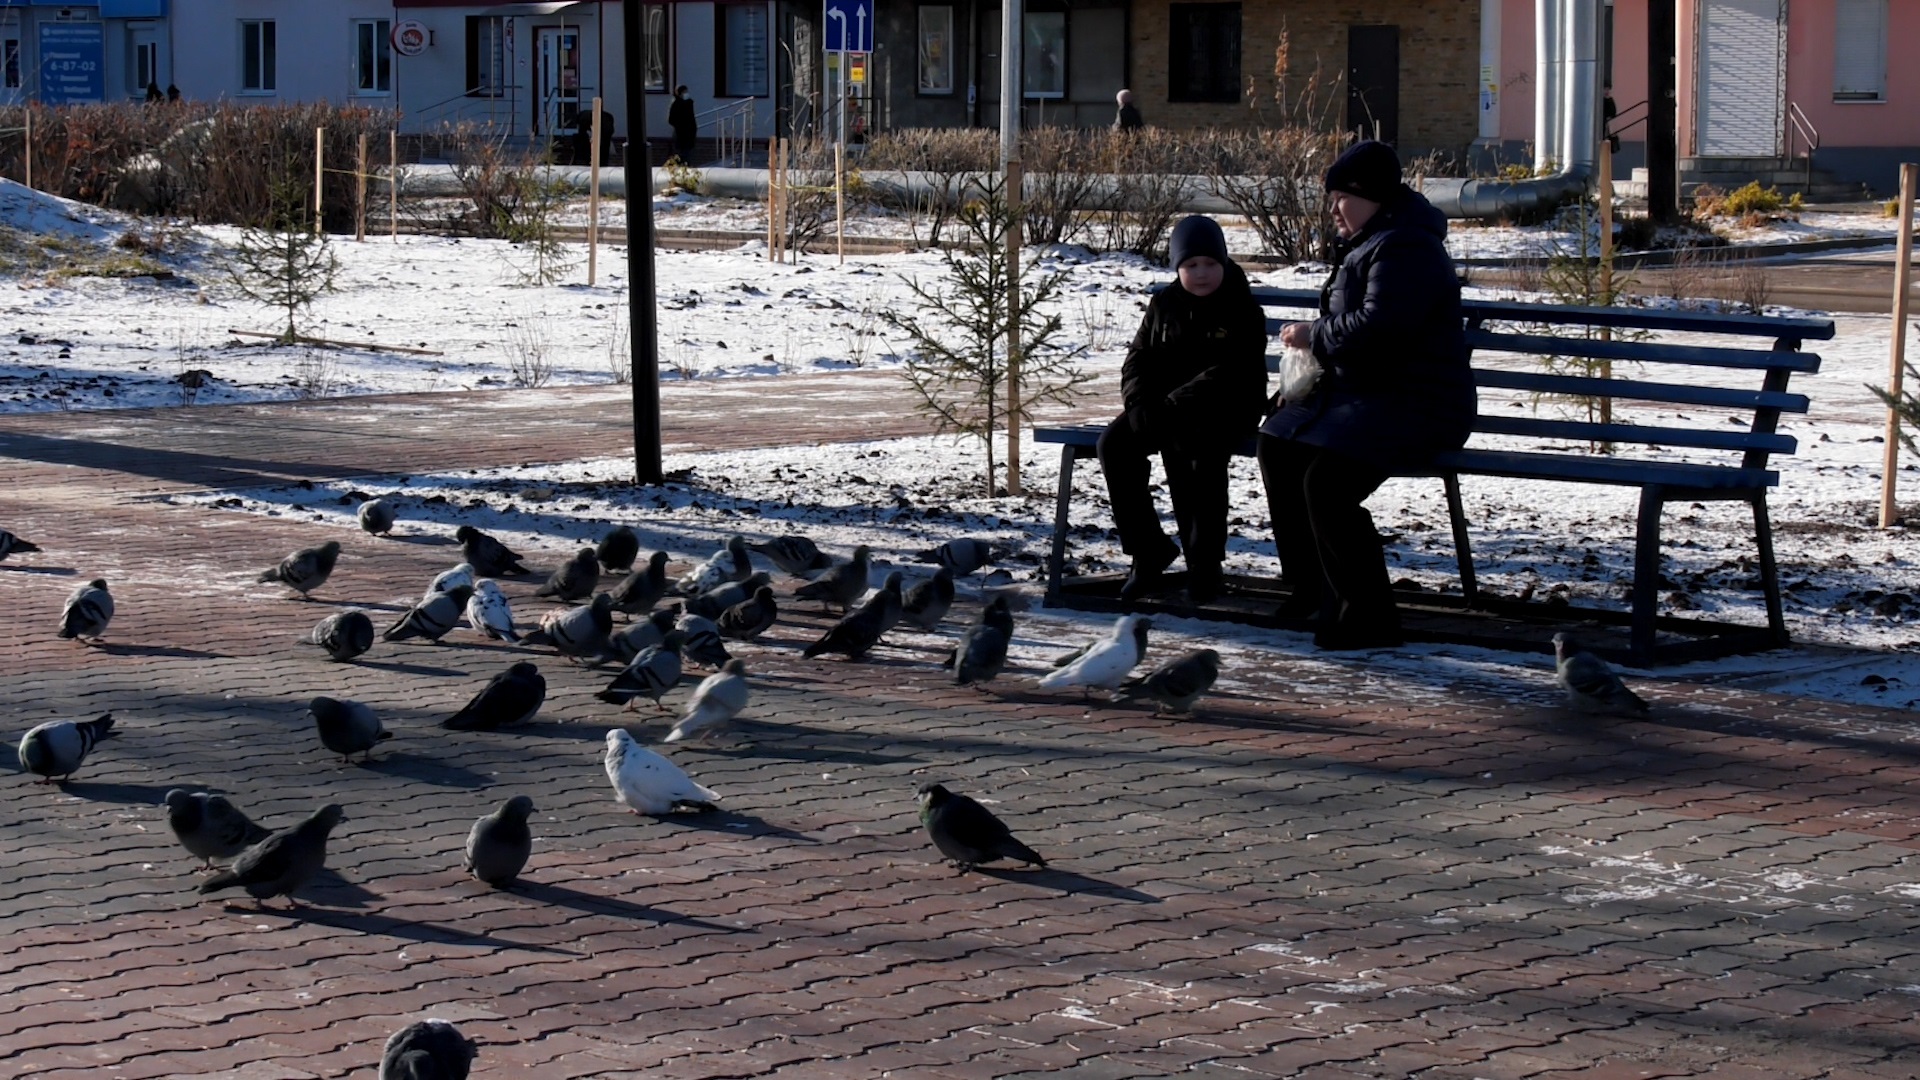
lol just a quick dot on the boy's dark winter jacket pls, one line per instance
(1196, 374)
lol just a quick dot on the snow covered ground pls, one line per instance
(86, 343)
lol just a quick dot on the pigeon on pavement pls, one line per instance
(449, 580)
(55, 749)
(428, 1050)
(305, 570)
(499, 844)
(347, 727)
(577, 632)
(795, 555)
(648, 783)
(618, 549)
(376, 517)
(1591, 685)
(647, 632)
(730, 563)
(651, 673)
(1106, 663)
(511, 697)
(717, 700)
(982, 651)
(282, 863)
(489, 557)
(702, 640)
(10, 543)
(574, 581)
(432, 617)
(489, 612)
(87, 612)
(711, 603)
(1176, 684)
(209, 826)
(929, 601)
(344, 634)
(853, 635)
(640, 590)
(749, 618)
(967, 832)
(841, 584)
(962, 557)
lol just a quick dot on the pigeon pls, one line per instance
(962, 557)
(376, 517)
(574, 581)
(796, 555)
(702, 636)
(432, 617)
(449, 580)
(1178, 683)
(577, 631)
(10, 543)
(209, 826)
(749, 618)
(718, 699)
(344, 634)
(498, 844)
(617, 550)
(730, 563)
(853, 635)
(490, 557)
(511, 697)
(650, 631)
(648, 783)
(711, 603)
(840, 584)
(1105, 663)
(88, 612)
(428, 1050)
(282, 863)
(489, 612)
(653, 672)
(56, 748)
(967, 832)
(347, 727)
(305, 570)
(929, 601)
(639, 591)
(982, 650)
(1591, 685)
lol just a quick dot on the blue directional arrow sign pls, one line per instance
(849, 25)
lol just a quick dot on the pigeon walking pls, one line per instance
(489, 557)
(489, 612)
(853, 635)
(376, 517)
(617, 550)
(87, 612)
(574, 581)
(640, 590)
(702, 640)
(55, 749)
(982, 651)
(432, 617)
(795, 555)
(511, 697)
(730, 563)
(841, 584)
(716, 701)
(968, 833)
(284, 862)
(1176, 684)
(929, 601)
(653, 672)
(646, 633)
(428, 1050)
(347, 727)
(749, 618)
(577, 632)
(10, 543)
(1106, 663)
(648, 783)
(711, 603)
(305, 570)
(448, 580)
(962, 557)
(499, 844)
(344, 634)
(209, 826)
(1591, 685)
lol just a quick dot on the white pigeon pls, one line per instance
(648, 783)
(489, 612)
(449, 580)
(730, 563)
(715, 701)
(1590, 684)
(1105, 664)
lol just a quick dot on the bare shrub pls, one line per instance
(528, 343)
(1272, 178)
(947, 160)
(1746, 286)
(1690, 277)
(682, 358)
(313, 374)
(1060, 166)
(1151, 189)
(619, 353)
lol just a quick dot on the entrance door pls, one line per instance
(143, 58)
(557, 105)
(1373, 82)
(1742, 111)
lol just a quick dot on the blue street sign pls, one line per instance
(70, 67)
(849, 25)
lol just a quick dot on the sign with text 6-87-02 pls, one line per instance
(70, 62)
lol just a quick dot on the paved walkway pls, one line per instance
(1322, 875)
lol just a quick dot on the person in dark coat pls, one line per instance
(1193, 384)
(1395, 390)
(1126, 117)
(685, 127)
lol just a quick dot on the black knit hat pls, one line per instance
(1197, 235)
(1368, 169)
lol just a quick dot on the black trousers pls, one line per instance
(1326, 539)
(1196, 481)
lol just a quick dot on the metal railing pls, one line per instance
(732, 127)
(1809, 134)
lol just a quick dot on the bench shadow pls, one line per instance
(428, 770)
(731, 824)
(588, 903)
(45, 571)
(115, 648)
(1067, 881)
(129, 794)
(373, 923)
(407, 669)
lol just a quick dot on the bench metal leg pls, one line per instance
(1056, 562)
(1646, 573)
(1769, 571)
(1462, 544)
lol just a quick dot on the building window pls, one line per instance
(1203, 61)
(655, 44)
(743, 50)
(10, 58)
(257, 56)
(373, 56)
(143, 66)
(1860, 50)
(936, 49)
(1043, 55)
(486, 56)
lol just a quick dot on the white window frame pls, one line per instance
(265, 81)
(756, 79)
(1860, 51)
(936, 50)
(368, 84)
(137, 52)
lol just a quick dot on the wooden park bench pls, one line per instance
(1722, 462)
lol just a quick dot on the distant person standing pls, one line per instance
(153, 92)
(173, 92)
(1127, 118)
(685, 127)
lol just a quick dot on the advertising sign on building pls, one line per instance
(70, 62)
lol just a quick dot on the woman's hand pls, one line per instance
(1297, 335)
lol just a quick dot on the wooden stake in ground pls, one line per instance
(319, 173)
(1015, 241)
(29, 153)
(593, 198)
(840, 201)
(393, 184)
(1606, 268)
(360, 194)
(1902, 276)
(773, 163)
(786, 157)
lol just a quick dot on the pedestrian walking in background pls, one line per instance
(685, 128)
(1126, 117)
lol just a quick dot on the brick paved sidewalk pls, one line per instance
(1323, 875)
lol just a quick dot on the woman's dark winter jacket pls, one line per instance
(1196, 374)
(1395, 388)
(680, 118)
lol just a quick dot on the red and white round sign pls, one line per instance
(409, 37)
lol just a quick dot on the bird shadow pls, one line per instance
(373, 923)
(426, 769)
(421, 539)
(590, 904)
(560, 729)
(1067, 881)
(130, 794)
(732, 824)
(112, 648)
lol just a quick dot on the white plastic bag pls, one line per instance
(1299, 370)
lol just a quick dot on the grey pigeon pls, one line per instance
(796, 555)
(209, 826)
(284, 862)
(376, 517)
(982, 651)
(749, 618)
(967, 832)
(1104, 664)
(577, 632)
(618, 549)
(574, 581)
(10, 543)
(702, 636)
(305, 570)
(344, 634)
(841, 584)
(711, 603)
(432, 617)
(56, 748)
(717, 700)
(347, 727)
(489, 613)
(730, 563)
(87, 613)
(490, 557)
(929, 601)
(962, 557)
(651, 674)
(511, 697)
(449, 580)
(853, 635)
(1178, 683)
(1591, 685)
(650, 631)
(639, 591)
(499, 844)
(428, 1050)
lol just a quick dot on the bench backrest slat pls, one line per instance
(1479, 312)
(1642, 352)
(1538, 382)
(1581, 431)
